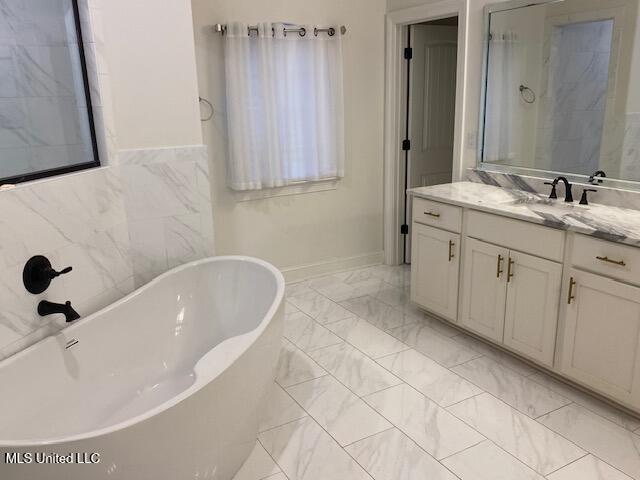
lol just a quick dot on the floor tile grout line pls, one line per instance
(536, 371)
(570, 463)
(369, 436)
(481, 355)
(273, 459)
(532, 419)
(571, 402)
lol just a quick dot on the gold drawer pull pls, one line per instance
(615, 262)
(431, 214)
(571, 296)
(499, 267)
(451, 245)
(510, 269)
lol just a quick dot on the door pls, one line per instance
(434, 270)
(531, 314)
(484, 288)
(431, 108)
(601, 338)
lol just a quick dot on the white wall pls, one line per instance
(149, 49)
(313, 227)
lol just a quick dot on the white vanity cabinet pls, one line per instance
(484, 288)
(601, 335)
(511, 298)
(435, 270)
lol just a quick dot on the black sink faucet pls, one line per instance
(49, 308)
(568, 196)
(600, 173)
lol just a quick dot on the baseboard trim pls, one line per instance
(303, 272)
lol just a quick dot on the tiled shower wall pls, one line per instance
(118, 227)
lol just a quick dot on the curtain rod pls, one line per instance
(331, 31)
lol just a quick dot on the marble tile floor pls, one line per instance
(369, 387)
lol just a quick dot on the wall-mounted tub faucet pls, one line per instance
(49, 308)
(38, 274)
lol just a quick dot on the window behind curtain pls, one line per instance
(284, 106)
(45, 113)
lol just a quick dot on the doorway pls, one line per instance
(430, 55)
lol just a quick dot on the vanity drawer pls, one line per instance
(441, 215)
(606, 258)
(518, 235)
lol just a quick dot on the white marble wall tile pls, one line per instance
(184, 240)
(391, 455)
(430, 378)
(354, 369)
(305, 451)
(523, 394)
(339, 411)
(530, 442)
(438, 432)
(279, 408)
(366, 338)
(486, 461)
(148, 249)
(588, 468)
(610, 442)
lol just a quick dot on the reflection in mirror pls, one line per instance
(562, 88)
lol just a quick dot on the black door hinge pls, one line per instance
(408, 53)
(406, 145)
(404, 229)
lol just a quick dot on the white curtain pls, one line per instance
(502, 124)
(285, 109)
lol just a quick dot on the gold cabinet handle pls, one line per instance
(510, 269)
(499, 267)
(431, 214)
(571, 296)
(451, 245)
(615, 262)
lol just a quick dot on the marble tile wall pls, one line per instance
(118, 226)
(168, 206)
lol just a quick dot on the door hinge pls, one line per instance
(404, 229)
(406, 145)
(408, 53)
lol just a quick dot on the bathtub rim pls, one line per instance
(246, 339)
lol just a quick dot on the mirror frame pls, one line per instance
(614, 183)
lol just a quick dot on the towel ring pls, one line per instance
(208, 103)
(528, 95)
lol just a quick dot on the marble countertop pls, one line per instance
(615, 224)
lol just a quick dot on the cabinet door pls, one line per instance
(601, 338)
(484, 288)
(434, 270)
(531, 315)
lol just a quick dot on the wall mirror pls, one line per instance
(561, 89)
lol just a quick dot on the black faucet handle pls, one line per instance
(583, 199)
(53, 274)
(38, 274)
(553, 193)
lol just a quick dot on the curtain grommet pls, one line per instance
(332, 31)
(302, 32)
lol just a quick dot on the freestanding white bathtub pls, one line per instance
(165, 384)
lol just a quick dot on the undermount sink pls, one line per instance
(543, 204)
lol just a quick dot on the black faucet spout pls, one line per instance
(49, 308)
(568, 196)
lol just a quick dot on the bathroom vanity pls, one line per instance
(557, 283)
